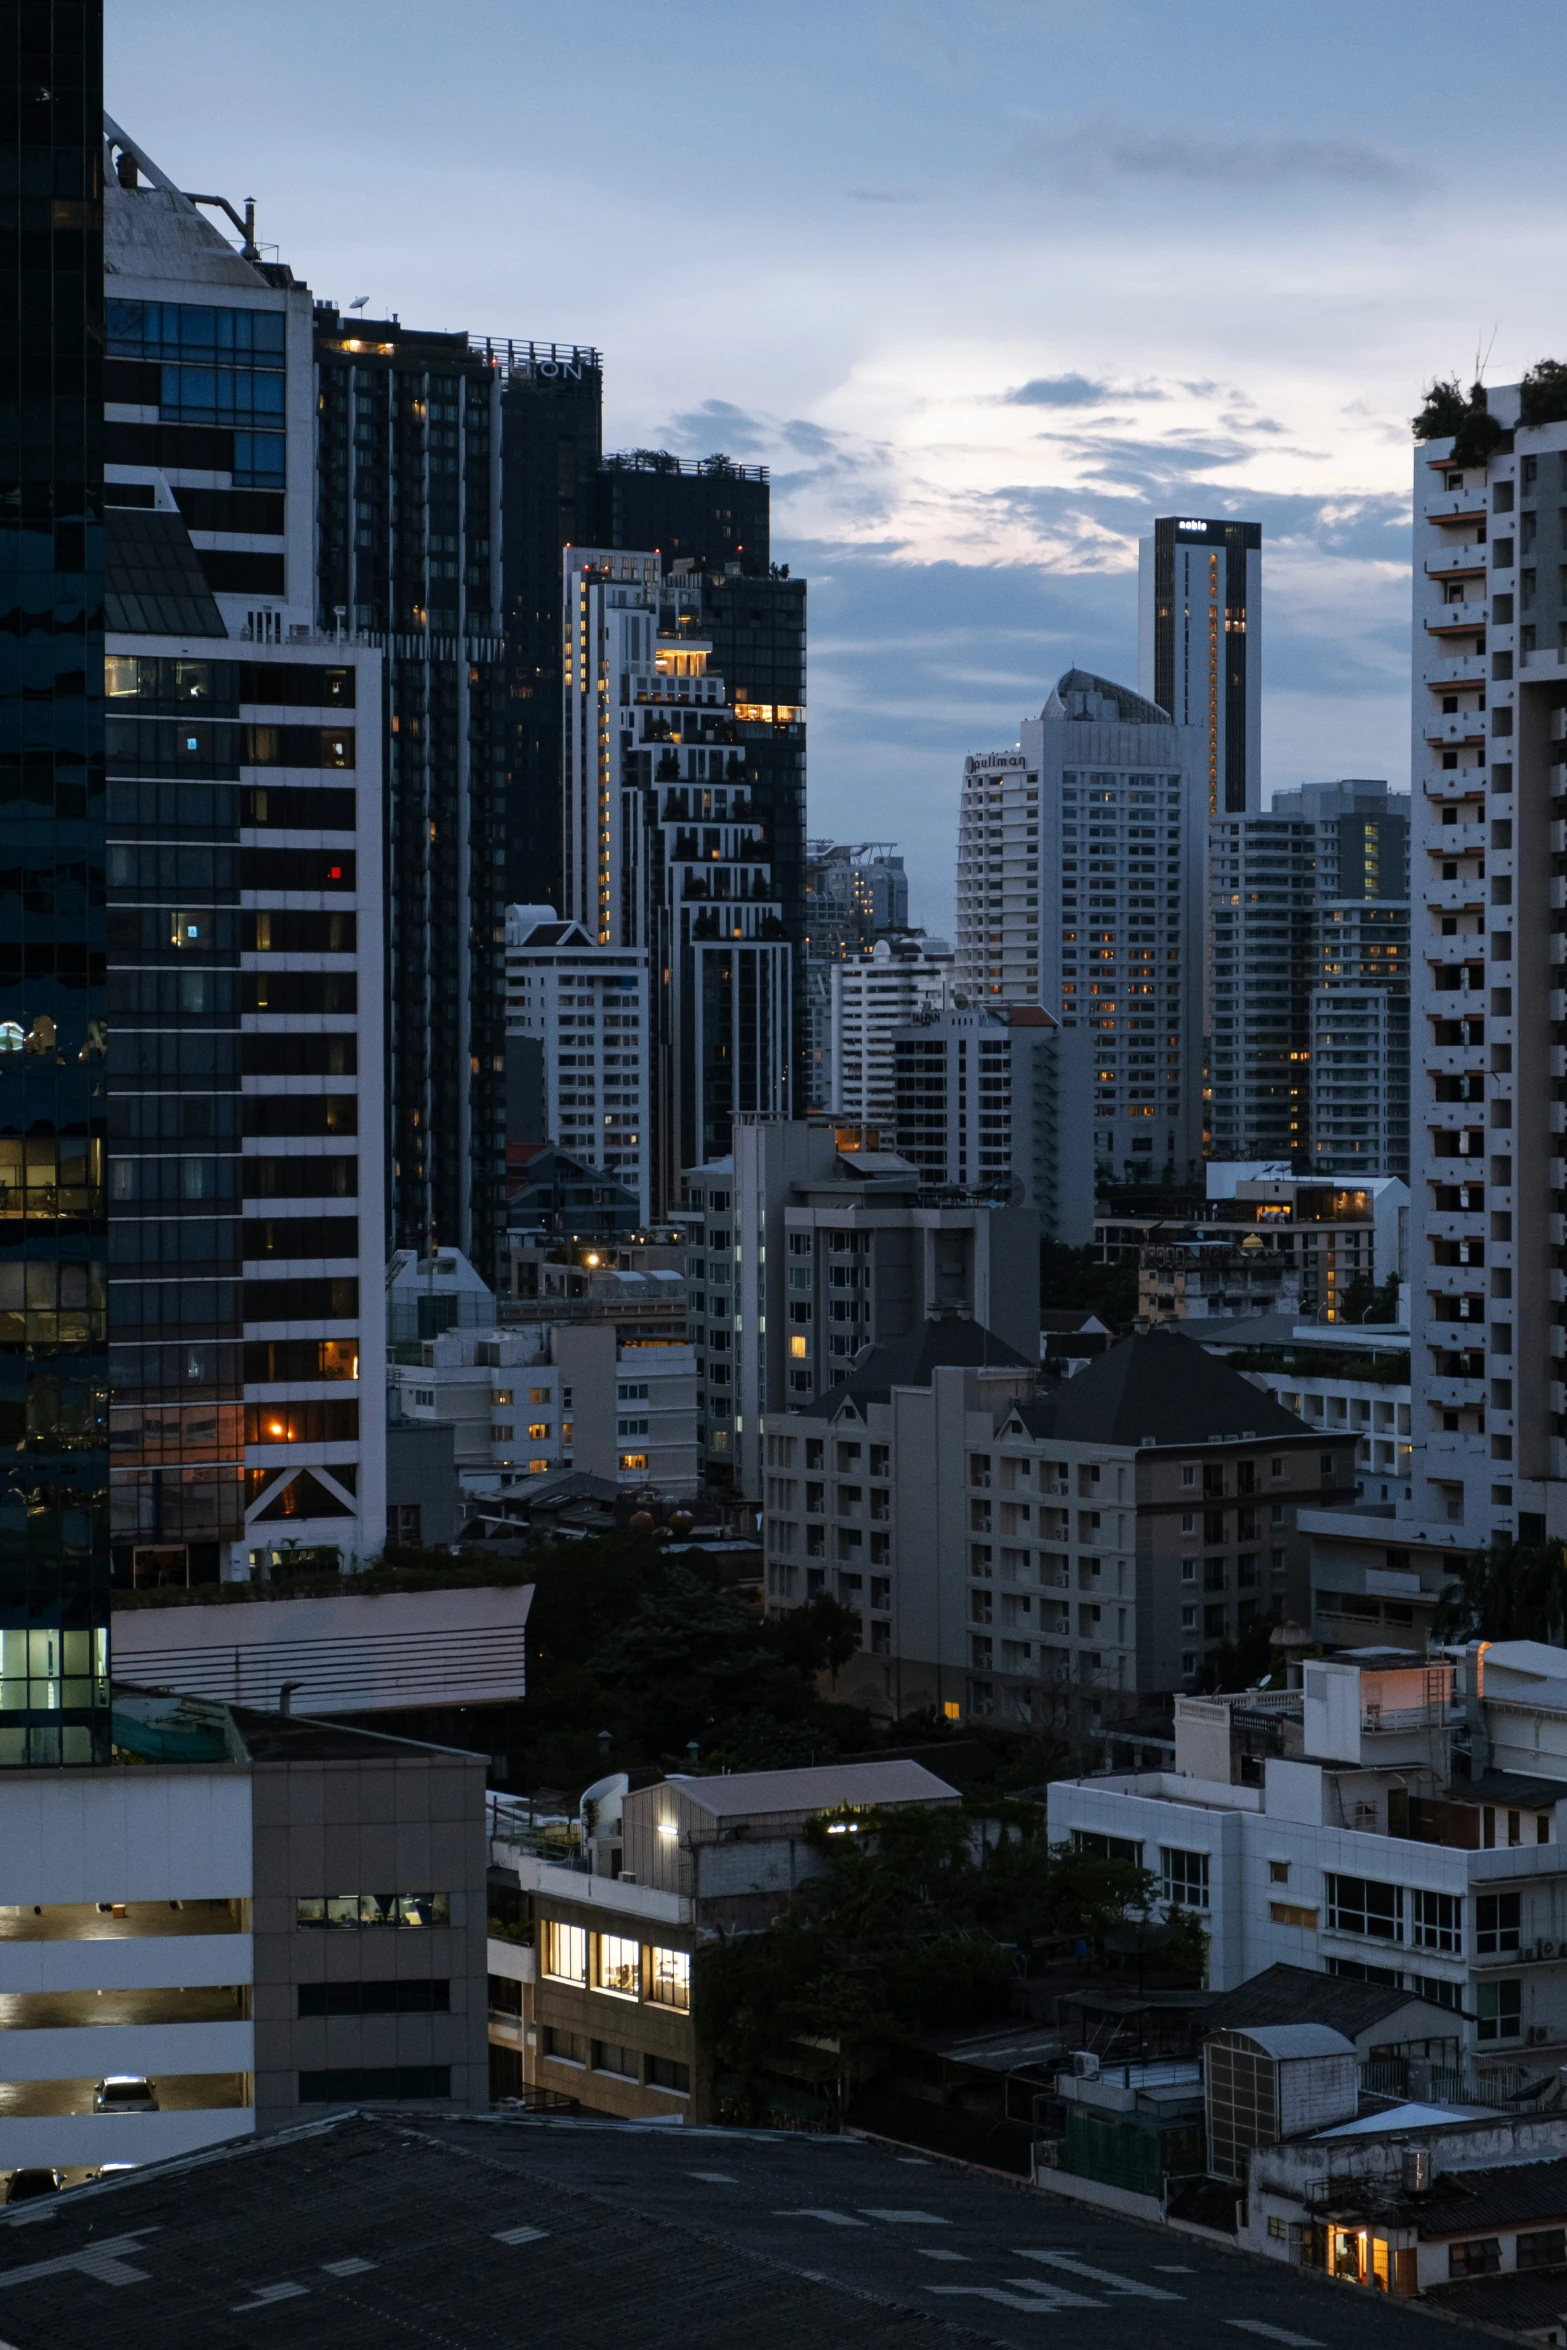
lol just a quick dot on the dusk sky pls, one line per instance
(987, 284)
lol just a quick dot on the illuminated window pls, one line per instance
(798, 1343)
(669, 1978)
(638, 1460)
(538, 1430)
(618, 1966)
(565, 1953)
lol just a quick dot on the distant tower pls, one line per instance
(1199, 646)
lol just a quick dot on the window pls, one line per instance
(669, 1978)
(1480, 2257)
(1497, 1920)
(1500, 2009)
(622, 1428)
(1107, 1847)
(564, 2047)
(538, 1431)
(359, 2084)
(632, 1391)
(619, 1966)
(417, 1996)
(1359, 1905)
(538, 1395)
(1543, 2248)
(1188, 1570)
(664, 2073)
(609, 2056)
(1438, 1921)
(374, 1909)
(628, 1460)
(1183, 1877)
(565, 1953)
(1290, 1913)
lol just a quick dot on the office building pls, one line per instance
(1299, 1824)
(869, 997)
(810, 1242)
(1000, 1098)
(666, 851)
(577, 1019)
(855, 893)
(187, 1919)
(408, 476)
(1056, 1554)
(1081, 886)
(54, 1579)
(1199, 647)
(1489, 1167)
(244, 932)
(1309, 982)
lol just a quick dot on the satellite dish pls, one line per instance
(358, 301)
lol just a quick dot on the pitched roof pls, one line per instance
(814, 1789)
(1158, 1388)
(1474, 2202)
(910, 1360)
(1296, 1995)
(1287, 2040)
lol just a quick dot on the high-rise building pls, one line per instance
(1489, 1009)
(54, 1563)
(1081, 886)
(667, 850)
(408, 458)
(1308, 1018)
(1199, 646)
(581, 1010)
(244, 933)
(705, 513)
(809, 1247)
(855, 894)
(869, 998)
(999, 1099)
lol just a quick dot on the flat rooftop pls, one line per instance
(388, 2227)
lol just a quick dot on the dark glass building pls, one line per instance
(1200, 645)
(409, 519)
(54, 1549)
(552, 437)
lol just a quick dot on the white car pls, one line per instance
(125, 2093)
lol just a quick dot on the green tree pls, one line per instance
(1078, 1280)
(1513, 1591)
(1543, 393)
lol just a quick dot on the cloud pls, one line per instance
(715, 421)
(1059, 391)
(1208, 155)
(884, 196)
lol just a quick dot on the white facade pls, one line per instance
(871, 996)
(105, 1885)
(1082, 886)
(587, 1007)
(1315, 1866)
(527, 1401)
(1489, 1166)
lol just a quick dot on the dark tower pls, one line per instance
(54, 1536)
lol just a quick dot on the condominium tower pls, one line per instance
(1081, 882)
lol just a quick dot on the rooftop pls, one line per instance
(818, 1789)
(953, 1340)
(1297, 1995)
(491, 2230)
(1162, 1389)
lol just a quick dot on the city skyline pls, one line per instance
(982, 330)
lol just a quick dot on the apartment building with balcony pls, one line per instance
(1327, 1233)
(1000, 1096)
(1054, 1554)
(595, 1983)
(260, 1916)
(1393, 1819)
(1490, 979)
(871, 996)
(1340, 1376)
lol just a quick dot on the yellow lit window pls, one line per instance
(633, 1460)
(797, 1343)
(618, 1966)
(538, 1430)
(669, 1978)
(952, 1710)
(565, 1953)
(537, 1468)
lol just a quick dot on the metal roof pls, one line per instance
(769, 1793)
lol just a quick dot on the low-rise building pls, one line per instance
(1214, 1280)
(1334, 1375)
(1331, 1234)
(1053, 1553)
(1393, 1819)
(258, 1916)
(621, 1899)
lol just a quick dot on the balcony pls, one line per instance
(1450, 727)
(1455, 506)
(1457, 1281)
(1454, 674)
(1457, 619)
(1456, 562)
(1455, 840)
(1464, 894)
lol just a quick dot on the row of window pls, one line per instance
(612, 1964)
(374, 1909)
(616, 2061)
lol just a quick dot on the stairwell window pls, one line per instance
(1183, 1878)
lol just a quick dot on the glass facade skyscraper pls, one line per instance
(54, 1552)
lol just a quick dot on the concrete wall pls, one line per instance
(413, 1825)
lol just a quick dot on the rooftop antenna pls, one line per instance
(358, 301)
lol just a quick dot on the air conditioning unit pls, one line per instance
(1537, 2034)
(1548, 1949)
(1085, 2064)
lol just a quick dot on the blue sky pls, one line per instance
(987, 284)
